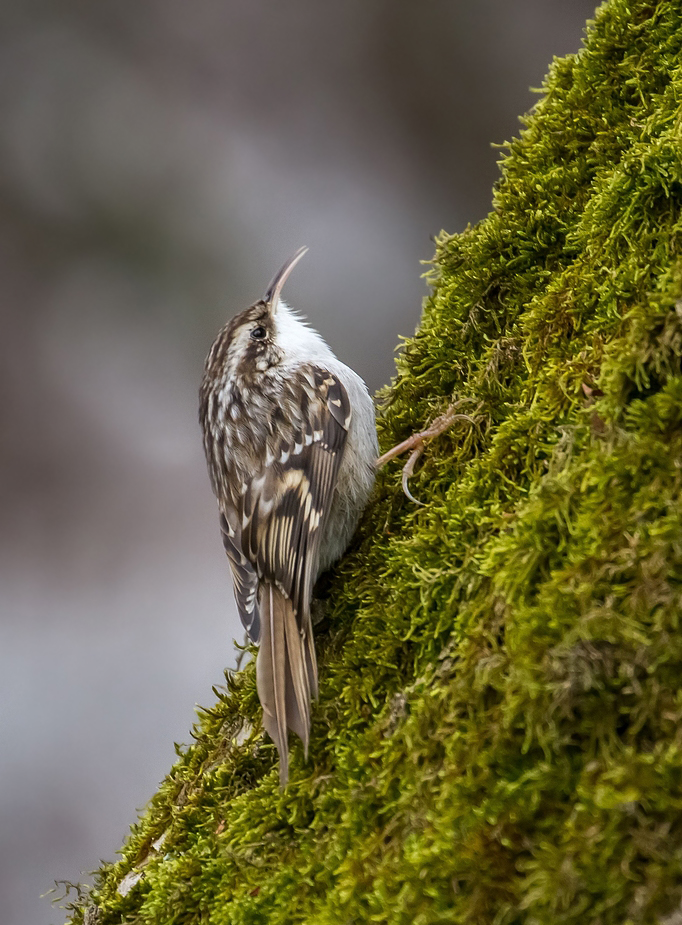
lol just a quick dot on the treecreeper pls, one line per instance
(290, 441)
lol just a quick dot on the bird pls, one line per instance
(290, 441)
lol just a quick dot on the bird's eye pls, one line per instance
(258, 332)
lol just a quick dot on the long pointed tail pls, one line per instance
(286, 674)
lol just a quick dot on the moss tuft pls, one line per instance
(499, 735)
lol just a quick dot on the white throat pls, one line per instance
(299, 342)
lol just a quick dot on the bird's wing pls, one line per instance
(273, 531)
(285, 506)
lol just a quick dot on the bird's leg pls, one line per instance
(416, 443)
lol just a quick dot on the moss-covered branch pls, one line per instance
(499, 732)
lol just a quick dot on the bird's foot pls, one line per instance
(417, 443)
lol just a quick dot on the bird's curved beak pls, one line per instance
(271, 297)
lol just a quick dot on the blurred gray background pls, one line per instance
(158, 160)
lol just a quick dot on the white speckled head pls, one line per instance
(298, 342)
(267, 338)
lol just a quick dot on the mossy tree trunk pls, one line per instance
(499, 732)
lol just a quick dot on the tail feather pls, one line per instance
(286, 674)
(271, 674)
(298, 683)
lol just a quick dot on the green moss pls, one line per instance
(499, 735)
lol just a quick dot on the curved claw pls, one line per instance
(408, 470)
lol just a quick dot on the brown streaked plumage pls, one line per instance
(290, 443)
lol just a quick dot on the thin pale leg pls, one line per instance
(417, 442)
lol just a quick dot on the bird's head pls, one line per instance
(267, 334)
